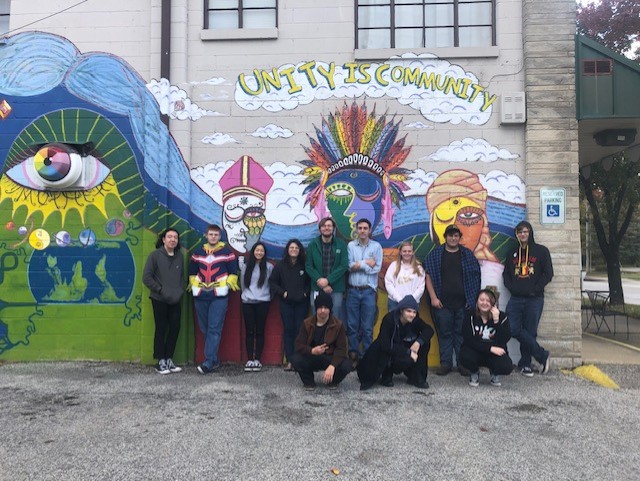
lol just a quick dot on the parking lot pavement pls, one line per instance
(110, 421)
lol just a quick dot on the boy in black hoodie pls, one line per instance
(527, 271)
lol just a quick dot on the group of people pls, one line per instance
(339, 282)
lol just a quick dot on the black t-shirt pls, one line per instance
(452, 284)
(318, 335)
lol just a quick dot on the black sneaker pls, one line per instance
(309, 387)
(544, 367)
(443, 370)
(474, 379)
(162, 367)
(526, 372)
(172, 367)
(202, 369)
(495, 380)
(419, 385)
(386, 382)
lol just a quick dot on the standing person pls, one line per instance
(212, 272)
(453, 282)
(290, 283)
(164, 276)
(404, 276)
(526, 273)
(365, 261)
(486, 332)
(321, 344)
(254, 281)
(327, 265)
(402, 345)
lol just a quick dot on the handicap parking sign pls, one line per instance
(552, 205)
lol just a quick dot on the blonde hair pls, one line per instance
(417, 268)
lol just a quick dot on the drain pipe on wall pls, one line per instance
(165, 47)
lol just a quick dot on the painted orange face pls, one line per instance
(470, 220)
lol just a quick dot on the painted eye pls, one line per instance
(339, 191)
(469, 215)
(59, 166)
(254, 212)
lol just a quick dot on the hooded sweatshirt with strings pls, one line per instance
(528, 269)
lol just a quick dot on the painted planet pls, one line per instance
(10, 225)
(63, 238)
(22, 230)
(114, 227)
(39, 239)
(87, 237)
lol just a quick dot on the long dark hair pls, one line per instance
(163, 234)
(301, 256)
(251, 264)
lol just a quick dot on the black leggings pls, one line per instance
(167, 319)
(472, 360)
(255, 317)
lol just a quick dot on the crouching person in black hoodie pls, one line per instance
(401, 346)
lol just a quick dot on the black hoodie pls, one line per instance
(528, 269)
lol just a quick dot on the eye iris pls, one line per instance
(52, 162)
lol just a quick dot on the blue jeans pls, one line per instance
(292, 316)
(361, 316)
(211, 314)
(449, 324)
(524, 316)
(338, 305)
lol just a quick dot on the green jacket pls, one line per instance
(336, 278)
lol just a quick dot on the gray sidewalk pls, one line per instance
(79, 421)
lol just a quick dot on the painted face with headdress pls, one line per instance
(354, 172)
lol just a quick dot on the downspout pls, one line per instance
(165, 47)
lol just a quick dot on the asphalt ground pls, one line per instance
(112, 421)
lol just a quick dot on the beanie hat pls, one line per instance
(323, 300)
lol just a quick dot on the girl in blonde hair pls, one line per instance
(404, 277)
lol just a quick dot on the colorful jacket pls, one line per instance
(212, 265)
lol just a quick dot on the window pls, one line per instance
(425, 23)
(229, 14)
(597, 67)
(4, 16)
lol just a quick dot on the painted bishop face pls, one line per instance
(244, 220)
(352, 195)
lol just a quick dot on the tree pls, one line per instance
(613, 23)
(612, 188)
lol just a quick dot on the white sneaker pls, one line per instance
(248, 367)
(474, 380)
(172, 367)
(495, 380)
(257, 366)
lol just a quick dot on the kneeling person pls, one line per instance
(401, 346)
(321, 345)
(486, 332)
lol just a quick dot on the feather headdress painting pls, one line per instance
(353, 170)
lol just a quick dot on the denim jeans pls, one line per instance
(449, 324)
(292, 316)
(524, 316)
(338, 305)
(211, 314)
(361, 314)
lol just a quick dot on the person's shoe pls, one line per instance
(332, 386)
(248, 367)
(474, 379)
(526, 372)
(464, 372)
(365, 386)
(443, 370)
(257, 366)
(544, 368)
(172, 367)
(215, 367)
(386, 382)
(288, 367)
(202, 369)
(420, 385)
(309, 387)
(495, 380)
(162, 367)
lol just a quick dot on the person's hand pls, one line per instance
(327, 377)
(356, 266)
(415, 347)
(497, 351)
(435, 302)
(370, 262)
(414, 356)
(284, 296)
(322, 282)
(319, 350)
(328, 289)
(495, 313)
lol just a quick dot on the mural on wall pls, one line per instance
(89, 170)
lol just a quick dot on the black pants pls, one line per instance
(376, 364)
(255, 317)
(472, 360)
(307, 364)
(167, 318)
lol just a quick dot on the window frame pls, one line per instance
(392, 29)
(240, 11)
